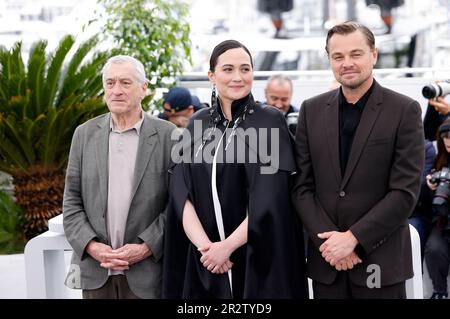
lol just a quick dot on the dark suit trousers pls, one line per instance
(116, 287)
(437, 257)
(343, 288)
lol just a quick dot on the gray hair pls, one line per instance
(281, 78)
(138, 66)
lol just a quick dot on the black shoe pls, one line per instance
(439, 295)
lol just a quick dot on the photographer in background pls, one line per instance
(437, 112)
(278, 94)
(437, 249)
(178, 106)
(438, 108)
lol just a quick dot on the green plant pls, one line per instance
(11, 226)
(155, 32)
(41, 104)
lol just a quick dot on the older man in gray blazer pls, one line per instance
(116, 191)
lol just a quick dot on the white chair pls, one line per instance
(414, 286)
(310, 289)
(45, 264)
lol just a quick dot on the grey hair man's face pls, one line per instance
(123, 91)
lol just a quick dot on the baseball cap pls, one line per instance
(178, 99)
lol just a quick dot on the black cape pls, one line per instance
(271, 264)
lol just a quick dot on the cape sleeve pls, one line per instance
(175, 240)
(275, 250)
(178, 281)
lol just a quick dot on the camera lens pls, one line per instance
(436, 89)
(429, 91)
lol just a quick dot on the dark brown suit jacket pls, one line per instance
(378, 191)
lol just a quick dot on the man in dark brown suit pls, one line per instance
(359, 152)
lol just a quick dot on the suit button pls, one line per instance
(341, 194)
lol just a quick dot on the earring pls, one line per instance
(215, 116)
(213, 97)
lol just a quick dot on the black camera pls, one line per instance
(291, 120)
(441, 198)
(436, 89)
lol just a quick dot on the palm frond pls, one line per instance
(36, 68)
(73, 66)
(54, 69)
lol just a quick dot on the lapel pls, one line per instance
(148, 139)
(331, 124)
(101, 157)
(368, 118)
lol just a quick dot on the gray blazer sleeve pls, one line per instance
(76, 225)
(153, 235)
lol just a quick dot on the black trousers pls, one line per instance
(343, 288)
(116, 287)
(437, 258)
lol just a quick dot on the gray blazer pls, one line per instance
(85, 201)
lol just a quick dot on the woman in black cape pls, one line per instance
(231, 231)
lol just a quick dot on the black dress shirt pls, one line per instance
(349, 117)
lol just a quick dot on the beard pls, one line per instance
(355, 82)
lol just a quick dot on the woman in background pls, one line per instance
(437, 249)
